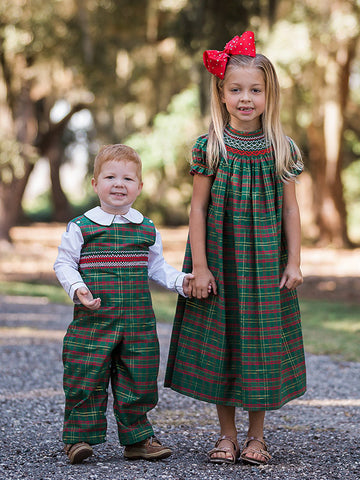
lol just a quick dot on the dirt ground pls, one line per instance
(330, 274)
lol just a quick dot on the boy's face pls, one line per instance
(117, 186)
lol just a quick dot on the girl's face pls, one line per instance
(118, 186)
(243, 94)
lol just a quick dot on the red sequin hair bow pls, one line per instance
(216, 61)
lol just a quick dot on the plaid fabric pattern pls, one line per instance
(118, 342)
(244, 346)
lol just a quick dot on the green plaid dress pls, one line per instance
(118, 342)
(244, 346)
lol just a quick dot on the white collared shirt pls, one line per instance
(67, 262)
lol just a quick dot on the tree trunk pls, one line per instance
(50, 146)
(325, 137)
(62, 210)
(11, 192)
(11, 195)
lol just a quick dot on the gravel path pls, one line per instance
(314, 437)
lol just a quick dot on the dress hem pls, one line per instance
(239, 404)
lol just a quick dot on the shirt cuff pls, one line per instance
(73, 289)
(179, 284)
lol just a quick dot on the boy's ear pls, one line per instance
(94, 183)
(139, 190)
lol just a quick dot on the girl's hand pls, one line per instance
(203, 284)
(291, 278)
(86, 298)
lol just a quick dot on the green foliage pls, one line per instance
(351, 179)
(351, 182)
(11, 159)
(165, 153)
(127, 61)
(11, 162)
(40, 209)
(171, 134)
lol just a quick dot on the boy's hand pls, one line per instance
(86, 298)
(187, 284)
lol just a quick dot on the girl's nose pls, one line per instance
(245, 95)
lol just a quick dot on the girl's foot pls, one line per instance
(226, 450)
(255, 451)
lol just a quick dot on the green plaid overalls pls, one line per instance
(118, 342)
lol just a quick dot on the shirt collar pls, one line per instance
(100, 217)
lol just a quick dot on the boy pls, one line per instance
(105, 259)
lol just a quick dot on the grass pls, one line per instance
(53, 293)
(329, 328)
(164, 304)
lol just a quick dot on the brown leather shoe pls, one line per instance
(78, 452)
(149, 449)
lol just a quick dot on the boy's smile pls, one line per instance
(117, 186)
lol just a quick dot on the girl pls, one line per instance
(241, 345)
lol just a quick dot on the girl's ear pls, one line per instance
(221, 95)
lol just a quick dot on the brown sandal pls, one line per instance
(260, 451)
(235, 452)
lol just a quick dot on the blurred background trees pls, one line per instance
(76, 74)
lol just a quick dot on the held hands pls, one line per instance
(186, 284)
(86, 298)
(203, 284)
(292, 277)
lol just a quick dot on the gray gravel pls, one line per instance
(314, 437)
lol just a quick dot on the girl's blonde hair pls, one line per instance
(270, 119)
(116, 153)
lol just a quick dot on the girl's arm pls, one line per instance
(204, 281)
(292, 276)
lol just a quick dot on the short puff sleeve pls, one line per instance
(297, 164)
(198, 160)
